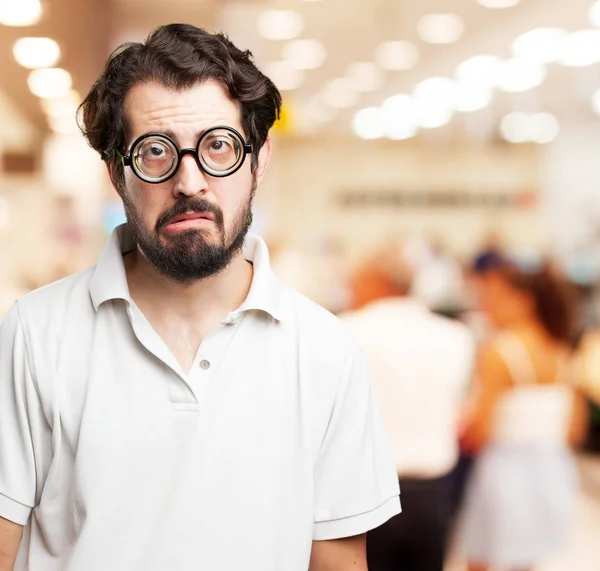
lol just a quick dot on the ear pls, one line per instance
(112, 173)
(264, 156)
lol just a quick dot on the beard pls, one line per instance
(193, 254)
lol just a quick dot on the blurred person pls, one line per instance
(485, 258)
(587, 375)
(525, 417)
(421, 364)
(177, 407)
(438, 280)
(587, 364)
(370, 280)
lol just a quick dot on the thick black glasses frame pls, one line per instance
(128, 162)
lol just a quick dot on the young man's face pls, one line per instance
(190, 226)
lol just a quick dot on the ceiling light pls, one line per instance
(318, 112)
(434, 100)
(543, 128)
(580, 49)
(517, 75)
(365, 76)
(51, 82)
(64, 125)
(280, 24)
(435, 91)
(447, 96)
(339, 93)
(401, 131)
(431, 117)
(397, 56)
(283, 75)
(594, 14)
(399, 114)
(482, 70)
(538, 128)
(498, 4)
(368, 123)
(62, 106)
(470, 97)
(441, 28)
(542, 45)
(20, 12)
(304, 54)
(34, 53)
(514, 127)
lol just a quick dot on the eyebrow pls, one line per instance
(173, 135)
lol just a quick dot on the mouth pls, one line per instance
(188, 220)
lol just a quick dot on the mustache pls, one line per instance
(190, 205)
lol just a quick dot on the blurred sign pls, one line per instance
(436, 199)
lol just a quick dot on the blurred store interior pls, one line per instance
(447, 124)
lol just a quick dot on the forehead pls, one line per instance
(154, 107)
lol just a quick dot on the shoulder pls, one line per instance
(493, 361)
(317, 330)
(456, 331)
(309, 316)
(56, 299)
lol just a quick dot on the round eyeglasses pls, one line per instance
(155, 157)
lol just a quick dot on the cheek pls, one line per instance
(149, 201)
(234, 194)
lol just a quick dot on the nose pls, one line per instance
(190, 179)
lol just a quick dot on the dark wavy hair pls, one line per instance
(177, 56)
(555, 298)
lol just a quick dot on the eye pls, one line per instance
(154, 151)
(220, 150)
(220, 145)
(155, 156)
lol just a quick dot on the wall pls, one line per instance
(300, 194)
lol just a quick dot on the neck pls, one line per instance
(529, 326)
(216, 295)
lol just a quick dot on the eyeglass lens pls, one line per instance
(219, 151)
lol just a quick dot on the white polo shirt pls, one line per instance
(116, 459)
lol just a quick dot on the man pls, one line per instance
(176, 407)
(421, 364)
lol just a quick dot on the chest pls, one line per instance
(117, 395)
(181, 338)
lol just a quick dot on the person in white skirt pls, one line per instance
(525, 418)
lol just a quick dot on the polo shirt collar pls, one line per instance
(109, 280)
(266, 291)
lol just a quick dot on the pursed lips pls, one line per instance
(191, 216)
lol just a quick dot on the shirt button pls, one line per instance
(204, 364)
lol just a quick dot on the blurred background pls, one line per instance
(454, 126)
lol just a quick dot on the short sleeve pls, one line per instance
(356, 485)
(24, 431)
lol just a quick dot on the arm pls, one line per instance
(25, 437)
(579, 420)
(355, 480)
(493, 379)
(348, 554)
(10, 537)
